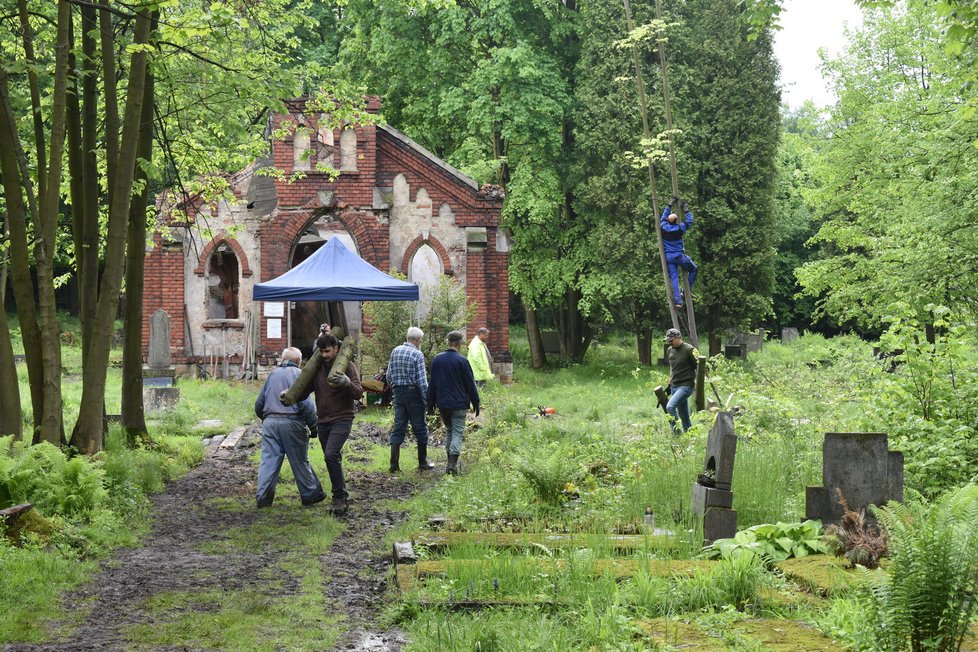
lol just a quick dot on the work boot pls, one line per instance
(452, 463)
(423, 463)
(339, 507)
(395, 458)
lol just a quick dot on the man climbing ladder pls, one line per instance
(672, 241)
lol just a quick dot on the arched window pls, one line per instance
(301, 153)
(223, 279)
(348, 150)
(425, 270)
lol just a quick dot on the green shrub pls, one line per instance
(552, 476)
(927, 598)
(42, 475)
(772, 542)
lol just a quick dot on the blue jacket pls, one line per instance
(452, 385)
(672, 234)
(277, 382)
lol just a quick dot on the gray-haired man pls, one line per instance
(407, 377)
(283, 434)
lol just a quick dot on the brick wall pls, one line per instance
(163, 289)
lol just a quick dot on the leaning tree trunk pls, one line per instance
(11, 157)
(133, 414)
(537, 356)
(10, 416)
(87, 435)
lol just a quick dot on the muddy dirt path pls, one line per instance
(184, 522)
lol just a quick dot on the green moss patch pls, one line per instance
(822, 574)
(785, 635)
(682, 634)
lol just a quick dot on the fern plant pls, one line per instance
(927, 600)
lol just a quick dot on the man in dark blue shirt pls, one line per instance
(452, 389)
(672, 243)
(283, 434)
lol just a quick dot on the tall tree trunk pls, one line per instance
(87, 257)
(11, 419)
(27, 37)
(11, 158)
(643, 341)
(49, 206)
(537, 357)
(575, 334)
(111, 103)
(87, 435)
(133, 415)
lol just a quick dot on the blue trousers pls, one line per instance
(282, 437)
(409, 406)
(454, 421)
(674, 262)
(678, 406)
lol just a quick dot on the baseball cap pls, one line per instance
(672, 333)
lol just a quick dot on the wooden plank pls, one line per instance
(629, 542)
(234, 437)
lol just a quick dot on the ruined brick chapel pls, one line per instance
(394, 203)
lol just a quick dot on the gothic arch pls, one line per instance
(432, 242)
(205, 255)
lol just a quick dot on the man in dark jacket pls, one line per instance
(335, 407)
(683, 359)
(283, 434)
(672, 243)
(452, 389)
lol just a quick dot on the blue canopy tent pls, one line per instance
(334, 273)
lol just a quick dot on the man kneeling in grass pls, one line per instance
(284, 434)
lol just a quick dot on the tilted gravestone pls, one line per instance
(712, 496)
(159, 376)
(859, 464)
(788, 334)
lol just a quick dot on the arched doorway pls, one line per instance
(305, 317)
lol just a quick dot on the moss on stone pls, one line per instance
(786, 635)
(822, 574)
(678, 633)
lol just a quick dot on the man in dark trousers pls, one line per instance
(283, 434)
(335, 408)
(683, 359)
(407, 377)
(452, 389)
(672, 243)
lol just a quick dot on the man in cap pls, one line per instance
(682, 358)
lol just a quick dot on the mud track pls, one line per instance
(171, 557)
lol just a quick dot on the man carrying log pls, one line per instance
(283, 434)
(337, 386)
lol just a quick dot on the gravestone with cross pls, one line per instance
(712, 495)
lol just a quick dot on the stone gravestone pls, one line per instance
(712, 496)
(737, 346)
(789, 334)
(159, 376)
(755, 341)
(862, 467)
